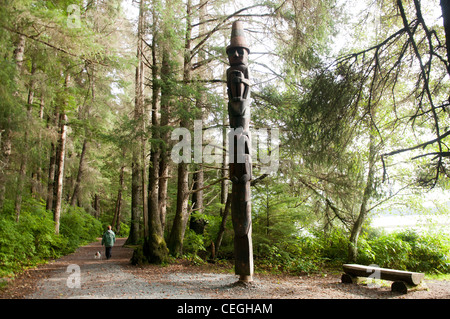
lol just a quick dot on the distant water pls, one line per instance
(418, 223)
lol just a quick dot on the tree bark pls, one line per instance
(153, 182)
(36, 176)
(155, 248)
(164, 168)
(198, 224)
(137, 176)
(115, 225)
(52, 165)
(60, 161)
(136, 203)
(175, 243)
(96, 206)
(76, 189)
(368, 191)
(60, 175)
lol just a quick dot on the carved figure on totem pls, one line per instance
(238, 85)
(238, 80)
(240, 167)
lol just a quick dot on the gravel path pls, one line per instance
(81, 276)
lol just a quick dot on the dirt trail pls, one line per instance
(80, 275)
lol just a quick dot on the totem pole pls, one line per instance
(240, 165)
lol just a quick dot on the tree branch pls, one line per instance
(219, 25)
(208, 186)
(423, 145)
(51, 45)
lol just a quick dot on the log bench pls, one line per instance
(403, 281)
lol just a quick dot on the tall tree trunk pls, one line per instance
(166, 74)
(60, 162)
(198, 224)
(137, 191)
(52, 164)
(195, 223)
(76, 189)
(153, 173)
(60, 175)
(175, 243)
(115, 225)
(96, 206)
(368, 191)
(136, 203)
(19, 53)
(36, 176)
(155, 248)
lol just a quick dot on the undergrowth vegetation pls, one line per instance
(32, 238)
(403, 250)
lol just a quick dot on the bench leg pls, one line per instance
(403, 288)
(349, 279)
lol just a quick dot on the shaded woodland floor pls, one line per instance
(118, 279)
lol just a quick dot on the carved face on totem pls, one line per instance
(237, 56)
(238, 49)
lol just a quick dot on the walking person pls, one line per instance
(108, 239)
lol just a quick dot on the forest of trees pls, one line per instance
(350, 105)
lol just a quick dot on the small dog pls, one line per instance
(98, 255)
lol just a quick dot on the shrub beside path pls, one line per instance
(117, 279)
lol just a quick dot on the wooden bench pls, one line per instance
(403, 281)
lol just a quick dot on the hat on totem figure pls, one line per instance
(238, 37)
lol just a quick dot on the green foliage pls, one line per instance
(193, 243)
(387, 251)
(288, 258)
(79, 227)
(33, 239)
(430, 252)
(405, 250)
(321, 114)
(124, 230)
(327, 114)
(310, 25)
(10, 115)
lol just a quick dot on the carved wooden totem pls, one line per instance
(240, 167)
